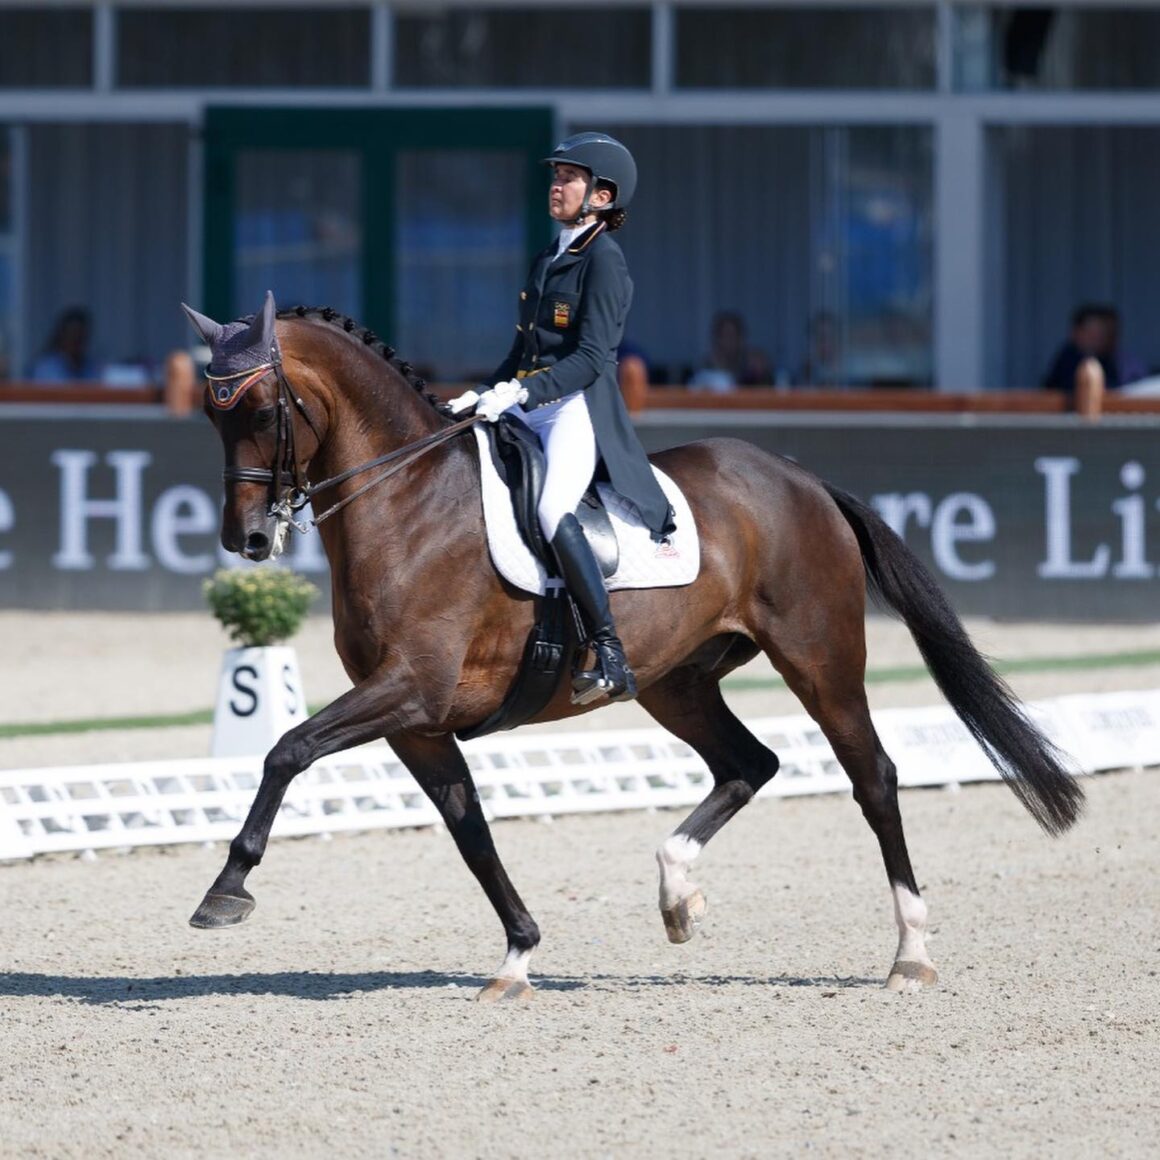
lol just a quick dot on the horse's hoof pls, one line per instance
(909, 977)
(504, 989)
(682, 920)
(222, 910)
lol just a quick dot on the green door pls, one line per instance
(416, 222)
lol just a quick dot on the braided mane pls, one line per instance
(372, 340)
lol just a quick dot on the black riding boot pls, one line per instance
(581, 573)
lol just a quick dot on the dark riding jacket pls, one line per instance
(572, 313)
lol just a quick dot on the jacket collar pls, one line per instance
(584, 240)
(577, 249)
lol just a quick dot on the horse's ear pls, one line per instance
(261, 334)
(209, 330)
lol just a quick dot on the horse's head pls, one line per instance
(266, 430)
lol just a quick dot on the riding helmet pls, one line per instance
(604, 157)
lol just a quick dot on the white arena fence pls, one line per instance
(87, 808)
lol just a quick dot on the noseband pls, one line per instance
(289, 489)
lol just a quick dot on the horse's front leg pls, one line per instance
(438, 766)
(353, 719)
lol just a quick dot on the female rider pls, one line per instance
(560, 378)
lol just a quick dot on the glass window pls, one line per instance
(806, 48)
(243, 47)
(298, 229)
(46, 48)
(1057, 48)
(7, 258)
(821, 246)
(1072, 222)
(596, 47)
(104, 224)
(873, 251)
(460, 258)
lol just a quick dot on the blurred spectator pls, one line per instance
(66, 354)
(634, 374)
(1129, 368)
(1094, 333)
(731, 361)
(822, 367)
(182, 383)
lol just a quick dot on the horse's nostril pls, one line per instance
(257, 545)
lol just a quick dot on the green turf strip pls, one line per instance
(1026, 665)
(738, 684)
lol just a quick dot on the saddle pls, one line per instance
(551, 645)
(519, 460)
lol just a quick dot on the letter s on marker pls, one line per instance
(247, 691)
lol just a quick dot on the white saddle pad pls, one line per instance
(643, 563)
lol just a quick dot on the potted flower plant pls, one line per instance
(260, 689)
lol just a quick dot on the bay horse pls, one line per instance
(431, 636)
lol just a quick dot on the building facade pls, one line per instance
(898, 191)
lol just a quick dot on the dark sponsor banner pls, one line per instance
(1046, 520)
(1053, 519)
(114, 514)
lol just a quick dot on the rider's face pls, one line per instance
(566, 193)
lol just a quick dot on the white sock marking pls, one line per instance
(515, 966)
(910, 915)
(676, 854)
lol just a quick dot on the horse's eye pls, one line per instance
(264, 417)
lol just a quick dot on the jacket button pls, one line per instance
(523, 295)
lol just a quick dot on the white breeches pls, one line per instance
(565, 432)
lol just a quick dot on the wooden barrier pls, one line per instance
(80, 394)
(656, 398)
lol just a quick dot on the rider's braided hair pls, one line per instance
(613, 219)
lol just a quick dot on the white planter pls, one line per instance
(259, 698)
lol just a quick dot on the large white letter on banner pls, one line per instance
(76, 509)
(1059, 565)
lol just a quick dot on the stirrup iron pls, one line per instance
(592, 684)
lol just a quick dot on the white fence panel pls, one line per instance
(522, 775)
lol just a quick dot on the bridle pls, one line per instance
(289, 489)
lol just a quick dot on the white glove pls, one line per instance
(502, 397)
(464, 402)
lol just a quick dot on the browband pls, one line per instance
(225, 396)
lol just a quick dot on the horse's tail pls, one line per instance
(1028, 762)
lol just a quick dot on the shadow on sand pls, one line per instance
(127, 991)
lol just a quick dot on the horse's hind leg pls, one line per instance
(688, 703)
(875, 782)
(833, 694)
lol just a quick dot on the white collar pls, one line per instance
(568, 235)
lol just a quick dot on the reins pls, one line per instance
(286, 472)
(405, 457)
